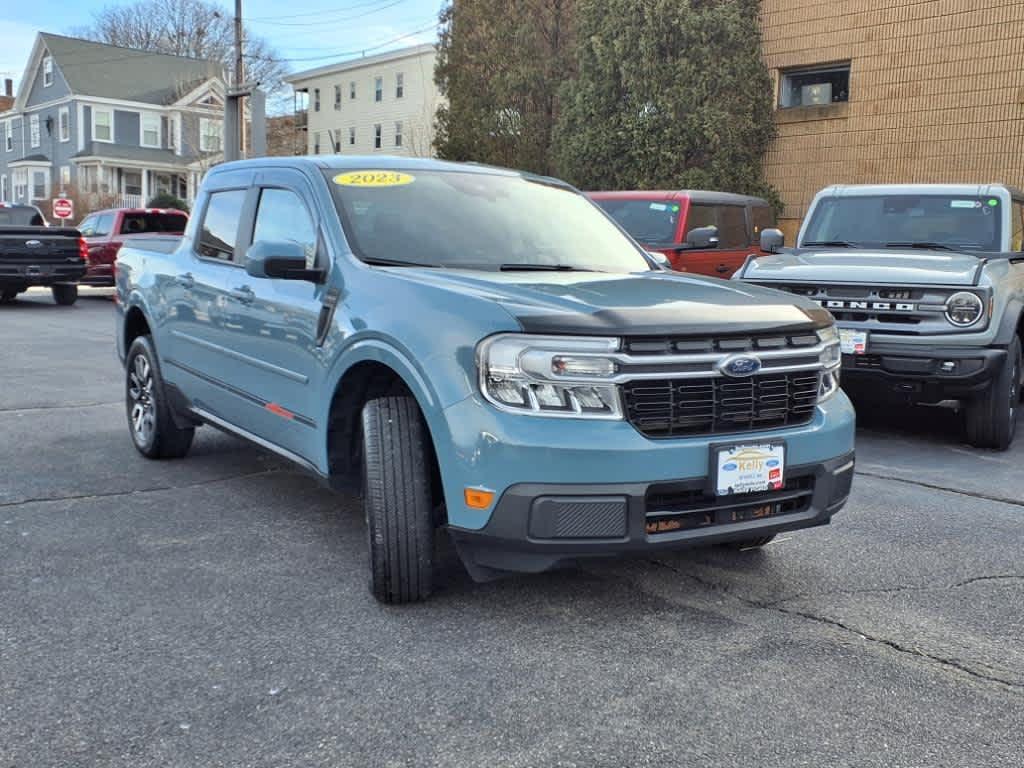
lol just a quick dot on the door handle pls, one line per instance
(243, 294)
(721, 269)
(186, 281)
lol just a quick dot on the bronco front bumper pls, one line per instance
(920, 373)
(535, 527)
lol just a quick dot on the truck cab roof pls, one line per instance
(864, 190)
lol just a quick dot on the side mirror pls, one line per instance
(702, 238)
(772, 240)
(660, 259)
(280, 259)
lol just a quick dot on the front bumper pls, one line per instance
(535, 527)
(916, 373)
(24, 275)
(100, 275)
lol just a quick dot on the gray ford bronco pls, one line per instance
(926, 283)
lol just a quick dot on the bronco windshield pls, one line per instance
(473, 220)
(953, 222)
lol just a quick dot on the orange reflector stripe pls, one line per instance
(477, 499)
(278, 410)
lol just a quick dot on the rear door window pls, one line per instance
(152, 223)
(1017, 226)
(218, 235)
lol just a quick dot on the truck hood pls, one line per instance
(890, 267)
(654, 303)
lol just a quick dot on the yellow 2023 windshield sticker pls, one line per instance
(374, 179)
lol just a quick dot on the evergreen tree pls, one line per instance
(669, 94)
(501, 67)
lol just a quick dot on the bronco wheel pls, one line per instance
(65, 294)
(396, 500)
(149, 417)
(991, 420)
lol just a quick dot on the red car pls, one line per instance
(708, 233)
(106, 231)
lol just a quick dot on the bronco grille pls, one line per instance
(718, 405)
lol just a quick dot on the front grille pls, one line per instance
(673, 507)
(720, 405)
(862, 362)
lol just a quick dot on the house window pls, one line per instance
(399, 85)
(316, 142)
(818, 86)
(132, 182)
(65, 177)
(47, 72)
(20, 176)
(398, 134)
(352, 90)
(40, 184)
(64, 124)
(316, 99)
(3, 188)
(102, 125)
(8, 136)
(210, 131)
(337, 98)
(351, 137)
(150, 130)
(33, 130)
(377, 136)
(378, 89)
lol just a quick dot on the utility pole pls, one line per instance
(234, 104)
(239, 77)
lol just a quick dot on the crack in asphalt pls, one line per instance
(937, 487)
(32, 408)
(891, 590)
(114, 494)
(774, 606)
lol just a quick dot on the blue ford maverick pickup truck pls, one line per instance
(485, 352)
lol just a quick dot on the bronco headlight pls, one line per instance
(964, 309)
(550, 375)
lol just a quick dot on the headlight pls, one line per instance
(964, 309)
(831, 357)
(550, 375)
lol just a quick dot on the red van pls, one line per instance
(708, 233)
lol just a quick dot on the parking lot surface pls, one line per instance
(214, 611)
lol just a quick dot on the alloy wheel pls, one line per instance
(143, 403)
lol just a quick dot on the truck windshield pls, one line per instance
(20, 217)
(954, 222)
(648, 221)
(470, 220)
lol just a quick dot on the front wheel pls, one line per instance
(150, 422)
(7, 295)
(397, 500)
(65, 294)
(991, 420)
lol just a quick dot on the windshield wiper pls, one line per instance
(544, 268)
(830, 244)
(922, 245)
(399, 263)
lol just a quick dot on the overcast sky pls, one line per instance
(310, 33)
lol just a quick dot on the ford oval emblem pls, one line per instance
(740, 365)
(33, 243)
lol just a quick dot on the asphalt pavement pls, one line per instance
(213, 611)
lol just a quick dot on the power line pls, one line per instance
(317, 13)
(333, 22)
(357, 51)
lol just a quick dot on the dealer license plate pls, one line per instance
(853, 342)
(750, 469)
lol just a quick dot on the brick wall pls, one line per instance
(936, 94)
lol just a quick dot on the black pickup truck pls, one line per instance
(32, 253)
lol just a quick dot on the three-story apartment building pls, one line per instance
(384, 103)
(117, 125)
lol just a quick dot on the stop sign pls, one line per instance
(63, 208)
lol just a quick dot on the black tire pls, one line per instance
(991, 419)
(65, 294)
(397, 501)
(755, 543)
(7, 295)
(150, 422)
